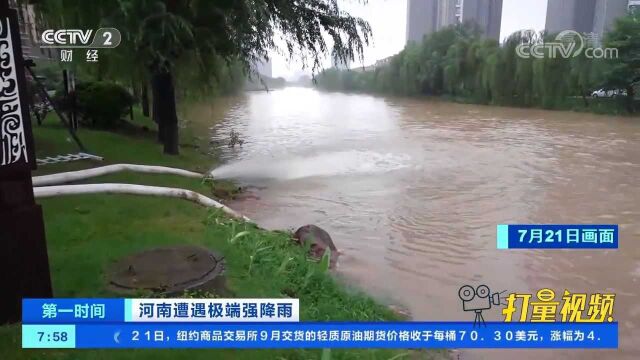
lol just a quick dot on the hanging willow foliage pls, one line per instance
(163, 39)
(457, 62)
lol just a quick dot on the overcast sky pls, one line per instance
(388, 22)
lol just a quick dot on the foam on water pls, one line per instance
(350, 162)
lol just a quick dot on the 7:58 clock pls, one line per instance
(48, 336)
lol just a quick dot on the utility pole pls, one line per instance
(24, 262)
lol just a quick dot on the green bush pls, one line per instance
(102, 104)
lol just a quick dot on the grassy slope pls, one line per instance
(87, 233)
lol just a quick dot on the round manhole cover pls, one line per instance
(167, 270)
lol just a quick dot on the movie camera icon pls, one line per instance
(478, 300)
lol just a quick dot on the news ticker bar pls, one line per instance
(92, 310)
(556, 236)
(440, 335)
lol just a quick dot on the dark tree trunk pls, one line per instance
(584, 97)
(65, 82)
(167, 115)
(134, 89)
(631, 95)
(136, 95)
(156, 108)
(144, 100)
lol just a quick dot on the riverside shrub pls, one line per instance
(102, 104)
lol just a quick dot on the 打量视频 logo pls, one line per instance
(543, 306)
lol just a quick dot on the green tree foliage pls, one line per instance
(624, 72)
(166, 41)
(459, 63)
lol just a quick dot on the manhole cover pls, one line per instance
(167, 270)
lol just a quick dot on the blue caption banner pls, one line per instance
(555, 236)
(66, 311)
(70, 311)
(324, 335)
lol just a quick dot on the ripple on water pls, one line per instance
(413, 190)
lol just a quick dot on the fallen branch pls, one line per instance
(50, 191)
(72, 176)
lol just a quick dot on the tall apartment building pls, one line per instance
(427, 16)
(487, 14)
(606, 12)
(422, 18)
(574, 15)
(585, 16)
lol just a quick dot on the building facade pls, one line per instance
(574, 15)
(421, 18)
(427, 16)
(585, 16)
(487, 14)
(30, 23)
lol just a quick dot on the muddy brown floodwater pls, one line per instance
(411, 190)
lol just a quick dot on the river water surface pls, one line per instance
(411, 190)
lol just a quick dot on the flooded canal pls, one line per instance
(411, 191)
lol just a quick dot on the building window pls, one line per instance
(459, 9)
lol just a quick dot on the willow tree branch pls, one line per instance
(72, 176)
(60, 190)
